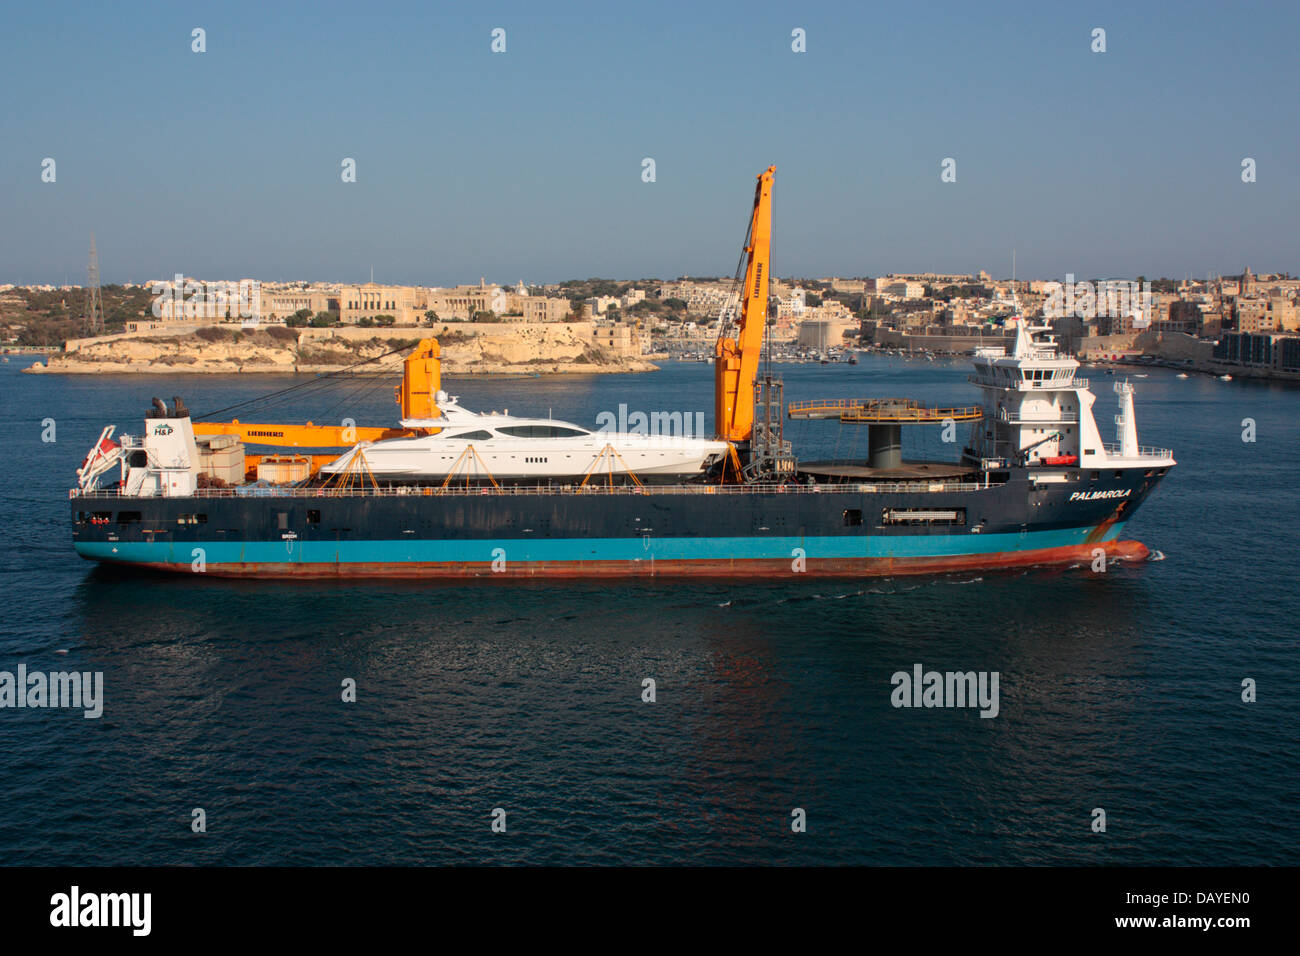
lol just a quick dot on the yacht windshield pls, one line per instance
(540, 431)
(479, 435)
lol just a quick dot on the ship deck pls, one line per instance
(836, 477)
(928, 471)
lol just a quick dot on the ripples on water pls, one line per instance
(1118, 691)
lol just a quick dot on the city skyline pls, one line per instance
(528, 163)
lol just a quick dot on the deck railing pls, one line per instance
(1144, 451)
(883, 410)
(907, 487)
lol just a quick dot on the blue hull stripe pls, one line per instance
(586, 549)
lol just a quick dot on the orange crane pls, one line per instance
(735, 362)
(416, 397)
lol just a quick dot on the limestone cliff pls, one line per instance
(466, 349)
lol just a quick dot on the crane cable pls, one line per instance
(321, 380)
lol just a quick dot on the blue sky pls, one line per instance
(527, 164)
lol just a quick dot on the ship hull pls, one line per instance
(842, 531)
(719, 569)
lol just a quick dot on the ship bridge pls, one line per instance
(1035, 412)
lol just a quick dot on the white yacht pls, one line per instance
(503, 447)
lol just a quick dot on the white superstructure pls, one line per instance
(164, 461)
(1037, 413)
(507, 447)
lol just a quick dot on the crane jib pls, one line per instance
(737, 359)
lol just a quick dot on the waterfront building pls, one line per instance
(1259, 350)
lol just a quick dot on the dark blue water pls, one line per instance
(1119, 691)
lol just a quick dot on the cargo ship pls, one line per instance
(1035, 483)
